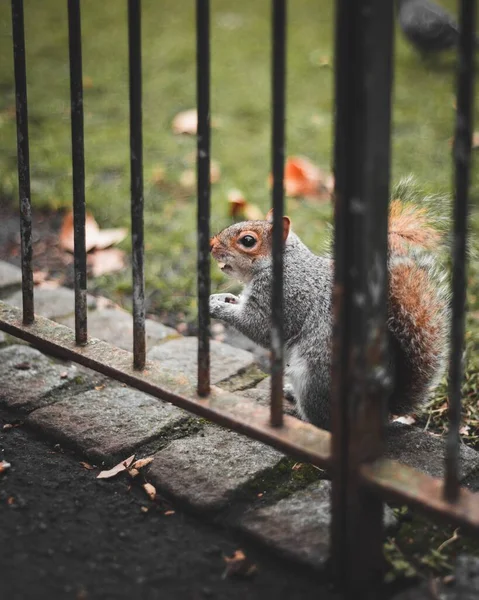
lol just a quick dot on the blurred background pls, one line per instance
(240, 98)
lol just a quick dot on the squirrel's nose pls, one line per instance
(212, 243)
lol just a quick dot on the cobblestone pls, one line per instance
(205, 469)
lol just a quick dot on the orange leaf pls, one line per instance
(304, 178)
(238, 565)
(123, 466)
(142, 462)
(4, 465)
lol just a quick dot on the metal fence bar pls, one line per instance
(136, 168)
(462, 164)
(23, 155)
(78, 164)
(203, 187)
(278, 150)
(244, 415)
(364, 34)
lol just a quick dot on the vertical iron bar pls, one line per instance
(78, 163)
(278, 150)
(360, 376)
(203, 183)
(136, 170)
(462, 163)
(23, 155)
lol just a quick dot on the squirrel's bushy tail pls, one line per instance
(418, 304)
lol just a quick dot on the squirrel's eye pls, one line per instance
(248, 241)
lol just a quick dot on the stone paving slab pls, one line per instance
(464, 587)
(425, 452)
(28, 377)
(298, 526)
(262, 394)
(107, 424)
(52, 303)
(205, 469)
(180, 356)
(115, 326)
(10, 278)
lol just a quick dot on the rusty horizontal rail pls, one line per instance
(244, 415)
(398, 482)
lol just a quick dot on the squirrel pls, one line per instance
(417, 307)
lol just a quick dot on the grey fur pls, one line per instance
(308, 281)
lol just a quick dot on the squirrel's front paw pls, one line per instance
(220, 304)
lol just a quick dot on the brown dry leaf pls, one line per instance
(106, 261)
(168, 513)
(304, 178)
(4, 465)
(406, 420)
(150, 490)
(241, 209)
(238, 565)
(87, 466)
(464, 430)
(94, 236)
(123, 466)
(133, 472)
(87, 82)
(142, 462)
(185, 122)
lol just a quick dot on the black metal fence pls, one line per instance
(362, 479)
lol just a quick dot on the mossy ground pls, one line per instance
(240, 96)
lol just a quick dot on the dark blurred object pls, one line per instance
(427, 26)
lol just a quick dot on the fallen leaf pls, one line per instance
(99, 387)
(7, 426)
(168, 513)
(87, 466)
(406, 420)
(188, 177)
(94, 236)
(144, 509)
(158, 175)
(150, 490)
(296, 466)
(304, 178)
(185, 122)
(64, 375)
(4, 465)
(475, 140)
(238, 565)
(106, 261)
(123, 466)
(133, 472)
(241, 209)
(142, 462)
(87, 82)
(10, 500)
(464, 430)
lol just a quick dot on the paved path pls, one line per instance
(234, 480)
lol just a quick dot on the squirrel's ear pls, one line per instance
(286, 223)
(286, 227)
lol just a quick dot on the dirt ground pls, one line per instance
(66, 535)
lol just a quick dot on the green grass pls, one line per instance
(240, 98)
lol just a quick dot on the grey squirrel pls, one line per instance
(417, 307)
